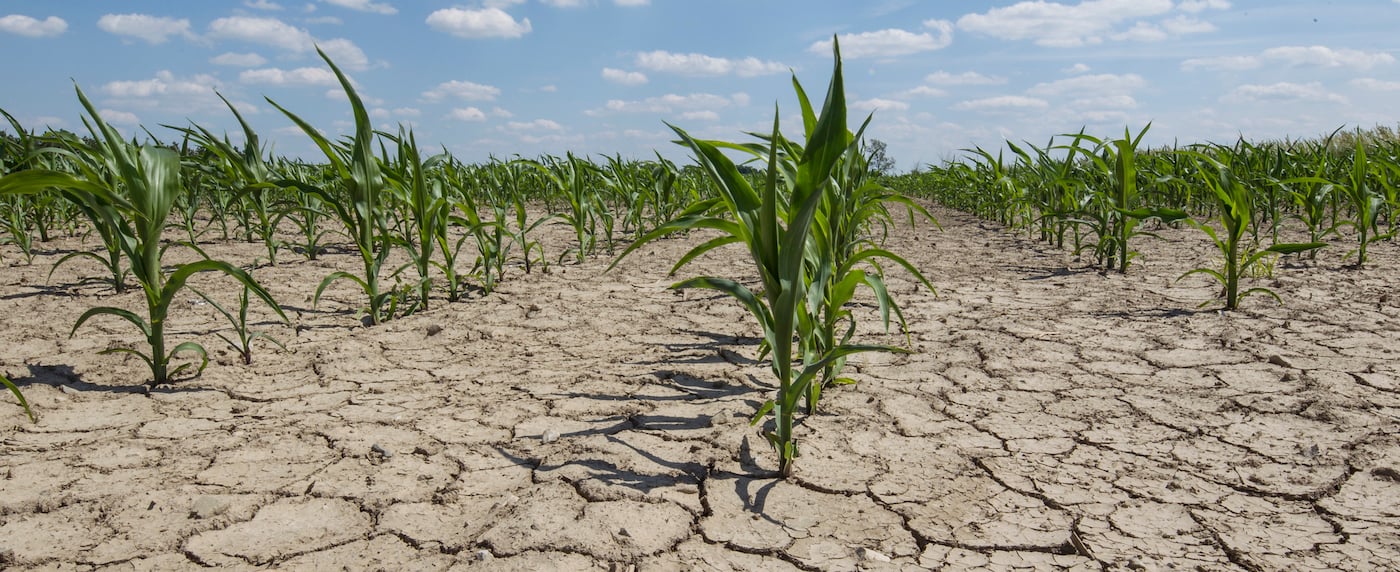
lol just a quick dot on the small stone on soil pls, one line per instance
(206, 507)
(871, 555)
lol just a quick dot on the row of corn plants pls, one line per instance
(1091, 196)
(377, 191)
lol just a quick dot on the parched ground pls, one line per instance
(1052, 418)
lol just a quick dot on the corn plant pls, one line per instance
(196, 177)
(141, 186)
(1118, 212)
(19, 397)
(573, 179)
(306, 213)
(845, 255)
(357, 170)
(1311, 197)
(90, 162)
(1367, 202)
(242, 342)
(245, 173)
(18, 226)
(668, 193)
(506, 189)
(776, 228)
(1236, 210)
(627, 184)
(426, 209)
(489, 235)
(459, 200)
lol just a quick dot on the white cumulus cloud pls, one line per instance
(1054, 24)
(487, 22)
(706, 115)
(27, 26)
(922, 91)
(151, 29)
(467, 114)
(119, 117)
(264, 31)
(298, 76)
(1195, 6)
(1376, 84)
(1002, 102)
(965, 78)
(536, 125)
(248, 60)
(275, 33)
(168, 93)
(672, 102)
(890, 43)
(877, 104)
(701, 64)
(1221, 63)
(1284, 91)
(624, 77)
(364, 6)
(467, 90)
(1323, 56)
(1090, 85)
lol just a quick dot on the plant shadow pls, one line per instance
(59, 376)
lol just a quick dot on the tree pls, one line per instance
(880, 163)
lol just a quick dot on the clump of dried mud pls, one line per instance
(1052, 418)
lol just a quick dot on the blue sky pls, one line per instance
(598, 77)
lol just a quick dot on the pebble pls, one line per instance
(484, 556)
(871, 555)
(550, 436)
(377, 448)
(206, 507)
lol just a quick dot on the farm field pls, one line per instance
(1051, 417)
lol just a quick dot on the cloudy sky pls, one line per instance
(502, 77)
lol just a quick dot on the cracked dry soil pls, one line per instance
(1052, 418)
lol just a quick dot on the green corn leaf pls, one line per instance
(1294, 248)
(19, 396)
(127, 315)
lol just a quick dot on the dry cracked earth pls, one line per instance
(1051, 418)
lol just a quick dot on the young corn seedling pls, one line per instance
(98, 205)
(18, 225)
(506, 190)
(1367, 202)
(1119, 213)
(356, 168)
(490, 236)
(306, 214)
(847, 254)
(574, 179)
(1236, 209)
(246, 175)
(242, 342)
(420, 193)
(776, 228)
